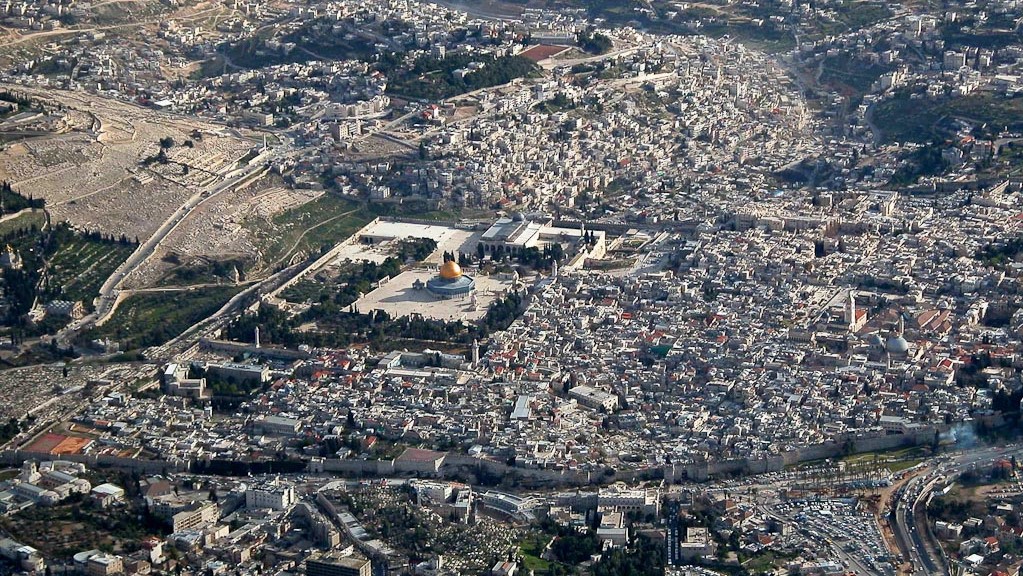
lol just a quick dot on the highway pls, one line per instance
(912, 534)
(905, 514)
(146, 250)
(65, 31)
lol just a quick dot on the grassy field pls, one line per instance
(990, 39)
(24, 221)
(414, 210)
(749, 22)
(150, 319)
(1010, 160)
(769, 39)
(305, 229)
(203, 271)
(854, 15)
(531, 548)
(895, 460)
(81, 266)
(901, 453)
(767, 562)
(329, 219)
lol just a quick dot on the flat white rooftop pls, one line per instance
(448, 238)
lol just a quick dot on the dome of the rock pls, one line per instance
(450, 270)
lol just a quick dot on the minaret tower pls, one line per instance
(850, 311)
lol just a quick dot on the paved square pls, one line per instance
(399, 298)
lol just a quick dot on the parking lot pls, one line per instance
(852, 534)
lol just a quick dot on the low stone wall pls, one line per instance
(17, 457)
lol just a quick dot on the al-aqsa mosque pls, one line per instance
(450, 282)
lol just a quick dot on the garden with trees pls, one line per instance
(432, 78)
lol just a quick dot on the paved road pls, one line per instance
(65, 31)
(219, 319)
(906, 514)
(146, 250)
(108, 298)
(913, 535)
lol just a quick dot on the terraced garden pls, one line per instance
(79, 268)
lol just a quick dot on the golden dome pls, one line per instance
(450, 270)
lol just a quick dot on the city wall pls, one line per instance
(17, 457)
(358, 467)
(479, 470)
(464, 467)
(851, 445)
(459, 465)
(687, 226)
(234, 348)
